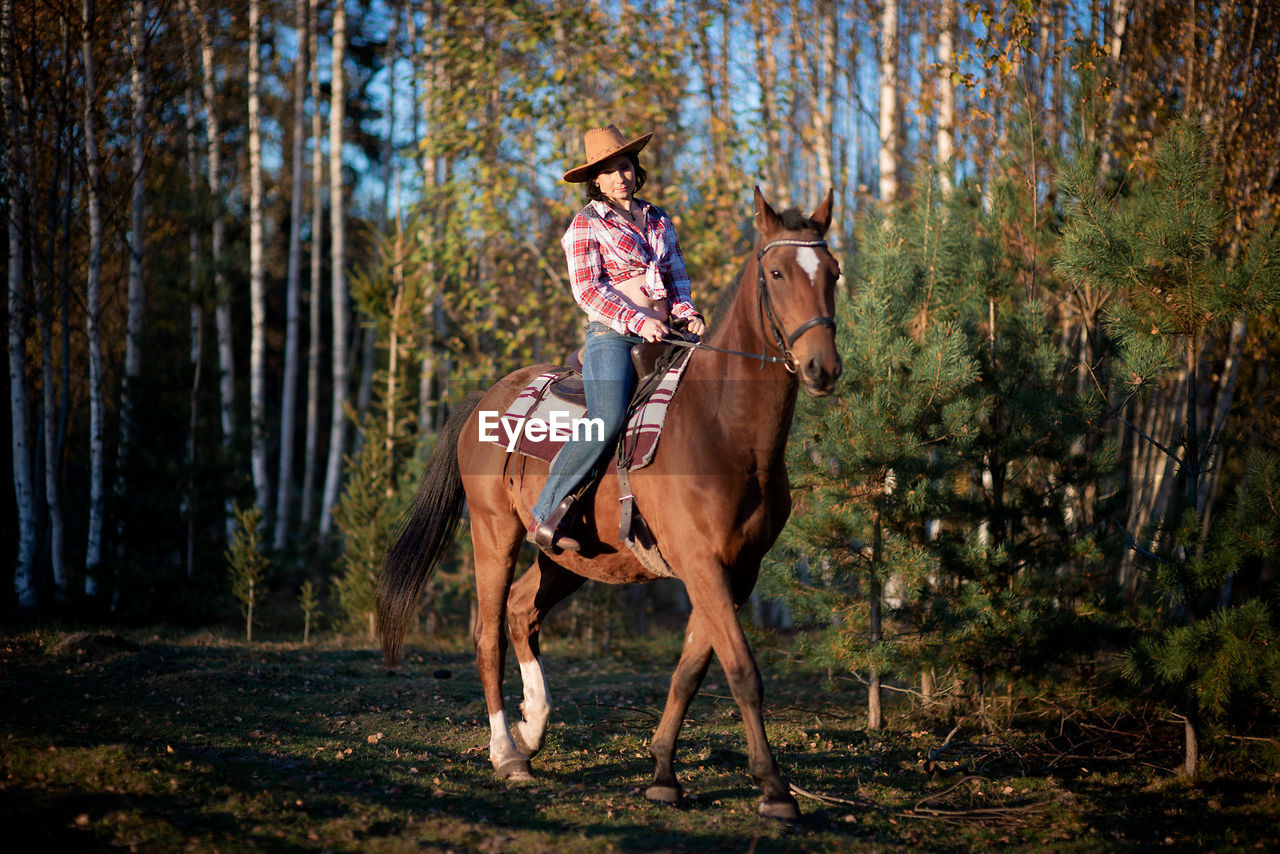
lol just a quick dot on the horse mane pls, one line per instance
(793, 219)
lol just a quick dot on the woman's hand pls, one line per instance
(696, 326)
(652, 329)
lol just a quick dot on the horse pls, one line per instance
(714, 498)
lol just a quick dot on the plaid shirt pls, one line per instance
(602, 247)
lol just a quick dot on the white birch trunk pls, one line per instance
(289, 394)
(823, 121)
(52, 488)
(196, 352)
(257, 294)
(337, 255)
(427, 75)
(1115, 43)
(310, 458)
(946, 96)
(23, 475)
(369, 356)
(97, 445)
(44, 285)
(222, 295)
(137, 230)
(766, 64)
(889, 101)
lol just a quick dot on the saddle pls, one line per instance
(559, 394)
(645, 358)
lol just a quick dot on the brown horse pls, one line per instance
(715, 497)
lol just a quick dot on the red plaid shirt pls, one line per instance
(602, 247)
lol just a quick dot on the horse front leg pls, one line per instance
(685, 681)
(731, 647)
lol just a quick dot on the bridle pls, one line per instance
(764, 301)
(764, 305)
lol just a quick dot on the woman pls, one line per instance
(629, 277)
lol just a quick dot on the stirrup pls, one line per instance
(546, 534)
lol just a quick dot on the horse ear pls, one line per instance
(822, 214)
(767, 219)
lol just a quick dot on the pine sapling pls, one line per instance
(310, 601)
(246, 564)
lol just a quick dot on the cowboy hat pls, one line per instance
(600, 144)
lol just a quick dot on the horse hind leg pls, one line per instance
(532, 596)
(685, 681)
(496, 549)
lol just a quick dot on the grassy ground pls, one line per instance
(198, 743)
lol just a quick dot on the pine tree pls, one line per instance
(937, 479)
(1159, 249)
(309, 602)
(875, 464)
(391, 297)
(247, 565)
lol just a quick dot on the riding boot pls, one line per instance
(547, 535)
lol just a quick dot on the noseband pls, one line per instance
(781, 340)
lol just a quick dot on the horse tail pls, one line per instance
(424, 534)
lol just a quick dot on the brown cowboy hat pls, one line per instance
(600, 144)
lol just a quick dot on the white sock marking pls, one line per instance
(501, 747)
(536, 705)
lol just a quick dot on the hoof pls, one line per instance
(516, 770)
(664, 794)
(523, 746)
(783, 809)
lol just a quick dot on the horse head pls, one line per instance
(796, 279)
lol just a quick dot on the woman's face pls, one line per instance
(617, 178)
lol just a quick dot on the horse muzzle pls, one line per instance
(818, 376)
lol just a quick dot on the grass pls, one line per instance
(199, 743)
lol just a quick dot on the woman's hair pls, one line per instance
(593, 190)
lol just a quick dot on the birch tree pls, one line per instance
(93, 180)
(368, 358)
(889, 164)
(257, 295)
(222, 295)
(310, 456)
(137, 244)
(823, 71)
(946, 94)
(289, 393)
(196, 324)
(337, 257)
(765, 16)
(1117, 22)
(51, 412)
(23, 478)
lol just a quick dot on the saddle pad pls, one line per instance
(545, 423)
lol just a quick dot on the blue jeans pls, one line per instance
(608, 380)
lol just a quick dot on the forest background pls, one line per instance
(255, 249)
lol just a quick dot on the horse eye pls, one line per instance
(777, 274)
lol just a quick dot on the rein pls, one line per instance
(698, 345)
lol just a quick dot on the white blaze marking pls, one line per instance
(808, 261)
